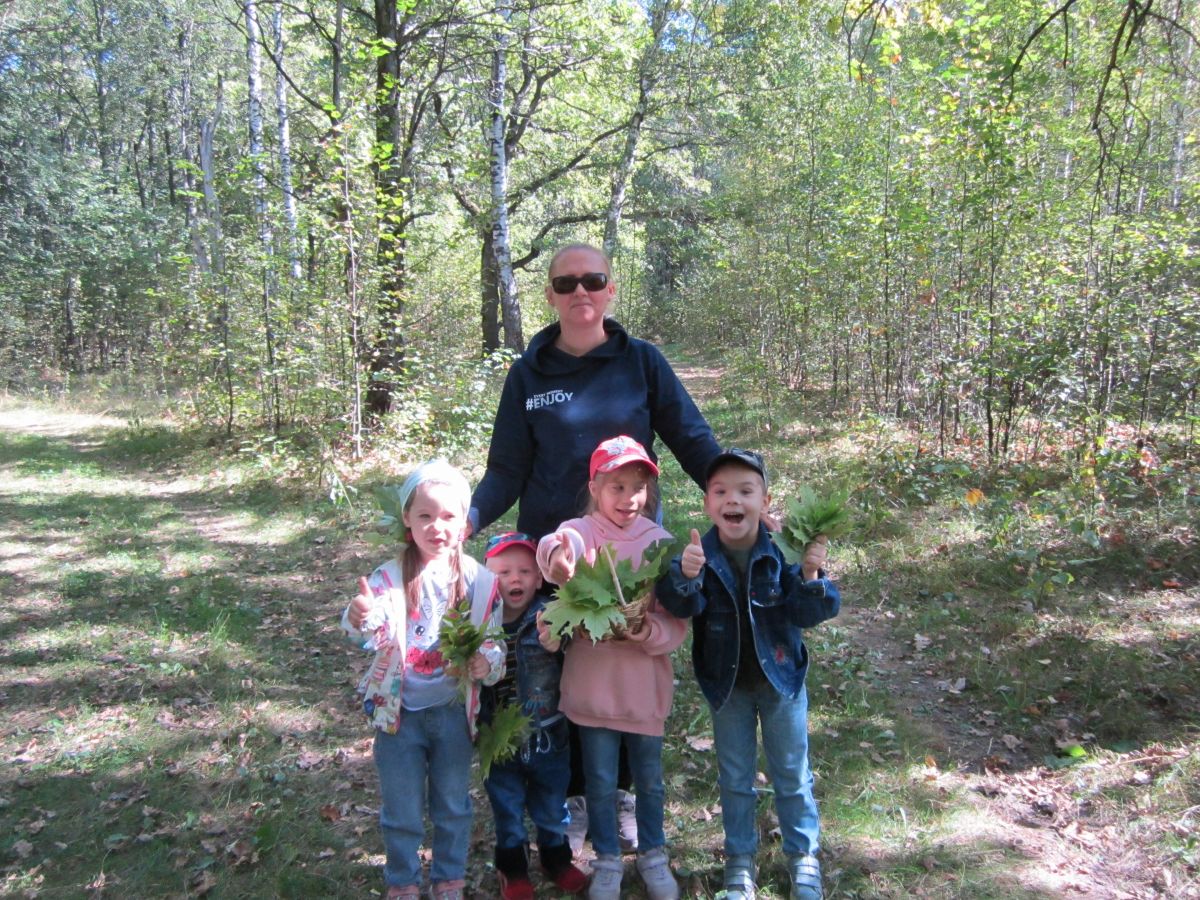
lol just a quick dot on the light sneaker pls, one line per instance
(606, 878)
(805, 872)
(448, 890)
(655, 869)
(408, 892)
(739, 878)
(627, 821)
(578, 826)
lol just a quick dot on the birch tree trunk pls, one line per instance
(266, 237)
(647, 78)
(510, 308)
(100, 16)
(216, 240)
(285, 149)
(200, 253)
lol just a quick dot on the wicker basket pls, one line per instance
(634, 611)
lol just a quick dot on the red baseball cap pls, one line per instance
(619, 451)
(507, 541)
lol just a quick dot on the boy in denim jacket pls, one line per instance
(748, 651)
(536, 778)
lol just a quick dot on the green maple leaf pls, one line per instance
(502, 737)
(591, 600)
(591, 587)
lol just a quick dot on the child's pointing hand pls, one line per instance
(692, 560)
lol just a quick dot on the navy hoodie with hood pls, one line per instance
(556, 408)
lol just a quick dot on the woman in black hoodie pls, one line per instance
(582, 380)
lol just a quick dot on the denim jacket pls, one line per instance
(781, 604)
(537, 678)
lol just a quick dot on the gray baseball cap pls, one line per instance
(747, 458)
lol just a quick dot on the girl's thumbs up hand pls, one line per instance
(361, 605)
(562, 560)
(692, 560)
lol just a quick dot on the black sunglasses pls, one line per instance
(566, 284)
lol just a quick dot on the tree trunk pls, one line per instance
(646, 80)
(510, 308)
(72, 356)
(212, 206)
(387, 350)
(99, 17)
(285, 149)
(489, 288)
(266, 238)
(200, 253)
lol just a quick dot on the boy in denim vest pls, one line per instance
(535, 780)
(748, 651)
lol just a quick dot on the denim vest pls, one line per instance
(538, 673)
(781, 603)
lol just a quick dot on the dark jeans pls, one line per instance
(578, 785)
(600, 749)
(536, 782)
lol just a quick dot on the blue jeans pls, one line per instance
(601, 750)
(785, 742)
(429, 754)
(534, 781)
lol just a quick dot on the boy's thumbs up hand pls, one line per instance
(562, 560)
(361, 605)
(692, 560)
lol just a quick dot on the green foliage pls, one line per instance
(390, 525)
(591, 601)
(459, 638)
(502, 737)
(809, 517)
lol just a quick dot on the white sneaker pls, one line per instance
(627, 821)
(606, 878)
(655, 869)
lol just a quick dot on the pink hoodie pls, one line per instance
(622, 685)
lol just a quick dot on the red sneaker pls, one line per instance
(515, 887)
(569, 879)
